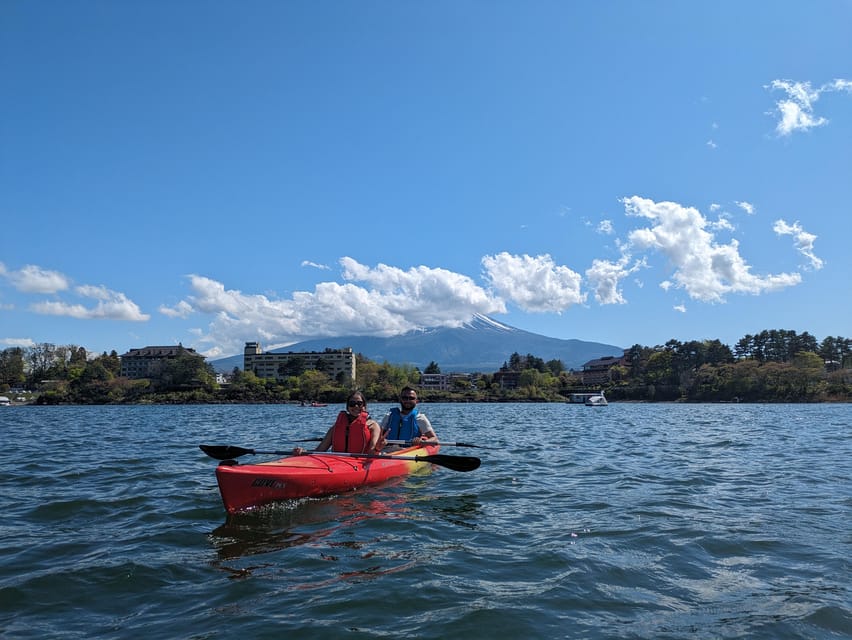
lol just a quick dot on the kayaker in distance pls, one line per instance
(407, 423)
(354, 431)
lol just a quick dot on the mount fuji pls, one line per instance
(481, 345)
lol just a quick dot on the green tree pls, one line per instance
(12, 366)
(555, 366)
(185, 371)
(432, 368)
(312, 383)
(40, 358)
(291, 367)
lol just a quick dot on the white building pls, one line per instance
(279, 366)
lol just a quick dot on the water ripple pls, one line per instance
(635, 521)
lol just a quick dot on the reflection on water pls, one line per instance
(356, 536)
(296, 522)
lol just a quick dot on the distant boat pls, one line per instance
(597, 400)
(312, 404)
(5, 402)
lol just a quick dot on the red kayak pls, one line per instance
(316, 474)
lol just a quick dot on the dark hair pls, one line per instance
(406, 389)
(360, 396)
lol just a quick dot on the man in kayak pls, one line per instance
(354, 431)
(407, 423)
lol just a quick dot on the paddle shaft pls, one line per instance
(442, 444)
(456, 463)
(407, 443)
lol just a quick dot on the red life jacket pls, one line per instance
(351, 437)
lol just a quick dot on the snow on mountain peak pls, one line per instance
(480, 321)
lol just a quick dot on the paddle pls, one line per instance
(408, 443)
(443, 444)
(456, 463)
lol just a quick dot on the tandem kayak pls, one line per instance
(312, 475)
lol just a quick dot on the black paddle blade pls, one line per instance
(224, 453)
(465, 444)
(456, 463)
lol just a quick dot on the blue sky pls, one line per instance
(211, 173)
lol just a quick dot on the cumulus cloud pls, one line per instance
(604, 277)
(722, 223)
(795, 112)
(111, 305)
(802, 240)
(34, 279)
(704, 268)
(533, 283)
(381, 301)
(181, 310)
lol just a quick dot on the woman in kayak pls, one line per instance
(354, 431)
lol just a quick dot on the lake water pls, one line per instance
(630, 521)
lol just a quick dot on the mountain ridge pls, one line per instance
(480, 345)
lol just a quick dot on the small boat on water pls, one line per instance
(244, 486)
(598, 400)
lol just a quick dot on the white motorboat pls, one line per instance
(598, 400)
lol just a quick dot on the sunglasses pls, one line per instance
(355, 403)
(414, 398)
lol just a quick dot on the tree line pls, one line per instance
(770, 366)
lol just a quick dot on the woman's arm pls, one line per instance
(326, 441)
(323, 446)
(376, 440)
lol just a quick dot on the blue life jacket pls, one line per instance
(402, 427)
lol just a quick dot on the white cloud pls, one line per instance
(533, 283)
(17, 342)
(33, 279)
(746, 206)
(604, 277)
(711, 144)
(802, 240)
(707, 270)
(722, 223)
(393, 302)
(112, 305)
(680, 307)
(181, 310)
(796, 111)
(841, 85)
(315, 265)
(423, 296)
(605, 227)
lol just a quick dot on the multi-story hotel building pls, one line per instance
(148, 361)
(333, 362)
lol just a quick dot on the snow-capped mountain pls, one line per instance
(482, 344)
